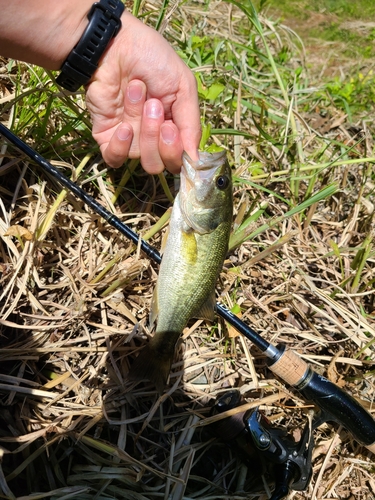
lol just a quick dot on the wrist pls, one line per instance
(82, 62)
(69, 30)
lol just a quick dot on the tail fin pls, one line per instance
(152, 364)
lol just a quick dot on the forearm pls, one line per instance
(42, 32)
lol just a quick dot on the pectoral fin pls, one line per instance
(154, 308)
(164, 240)
(207, 311)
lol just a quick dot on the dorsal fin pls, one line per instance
(154, 307)
(164, 240)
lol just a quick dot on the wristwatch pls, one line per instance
(82, 62)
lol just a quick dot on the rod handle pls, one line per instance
(335, 402)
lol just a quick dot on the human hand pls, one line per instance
(143, 101)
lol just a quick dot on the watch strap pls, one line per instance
(82, 62)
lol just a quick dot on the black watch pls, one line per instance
(82, 62)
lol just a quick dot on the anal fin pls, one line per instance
(207, 311)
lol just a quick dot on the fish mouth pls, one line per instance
(201, 170)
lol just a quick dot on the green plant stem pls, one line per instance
(164, 185)
(48, 220)
(124, 179)
(321, 195)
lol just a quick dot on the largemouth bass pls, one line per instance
(192, 259)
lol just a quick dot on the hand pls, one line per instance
(143, 101)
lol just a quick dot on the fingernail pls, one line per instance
(135, 93)
(168, 134)
(123, 133)
(153, 109)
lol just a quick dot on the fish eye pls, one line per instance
(222, 182)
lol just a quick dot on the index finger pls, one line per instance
(186, 116)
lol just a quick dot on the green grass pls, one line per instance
(344, 9)
(342, 31)
(333, 21)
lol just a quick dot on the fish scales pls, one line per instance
(193, 257)
(193, 276)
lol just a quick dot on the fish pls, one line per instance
(196, 246)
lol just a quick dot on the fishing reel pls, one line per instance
(253, 436)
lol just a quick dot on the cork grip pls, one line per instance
(290, 367)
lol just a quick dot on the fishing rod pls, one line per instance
(334, 403)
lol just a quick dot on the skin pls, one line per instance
(142, 99)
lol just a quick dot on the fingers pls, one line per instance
(144, 133)
(155, 141)
(153, 117)
(134, 102)
(159, 140)
(170, 147)
(186, 116)
(117, 149)
(119, 140)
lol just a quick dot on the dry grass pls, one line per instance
(75, 298)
